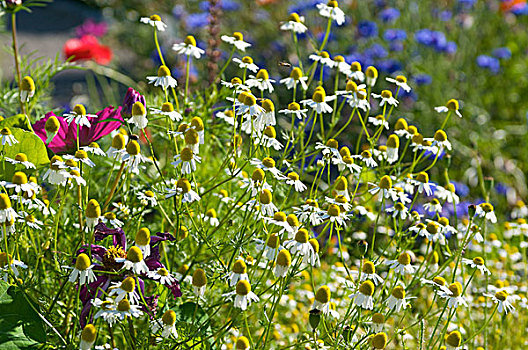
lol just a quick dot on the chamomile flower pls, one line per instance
(282, 264)
(447, 194)
(268, 164)
(520, 210)
(92, 213)
(386, 98)
(134, 261)
(88, 336)
(124, 310)
(355, 72)
(378, 323)
(366, 157)
(107, 310)
(163, 79)
(188, 48)
(125, 289)
(117, 150)
(31, 221)
(199, 282)
(400, 81)
(450, 106)
(434, 206)
(454, 296)
(249, 105)
(295, 24)
(167, 110)
(210, 217)
(243, 295)
(142, 241)
(8, 263)
(422, 180)
(81, 156)
(162, 276)
(246, 63)
(269, 139)
(296, 77)
(440, 142)
(295, 109)
(7, 137)
(402, 265)
(399, 211)
(21, 185)
(261, 81)
(148, 198)
(21, 158)
(183, 187)
(353, 93)
(133, 157)
(139, 116)
(478, 263)
(265, 202)
(154, 21)
(504, 301)
(363, 297)
(323, 57)
(368, 272)
(93, 148)
(397, 299)
(384, 187)
(336, 215)
(237, 40)
(300, 245)
(393, 144)
(79, 116)
(238, 272)
(319, 101)
(83, 270)
(331, 10)
(110, 218)
(485, 210)
(371, 75)
(166, 324)
(311, 212)
(27, 88)
(235, 84)
(294, 180)
(187, 159)
(322, 300)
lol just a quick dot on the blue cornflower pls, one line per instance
(502, 53)
(467, 3)
(424, 37)
(488, 62)
(451, 47)
(445, 15)
(376, 51)
(225, 5)
(196, 20)
(389, 66)
(396, 46)
(423, 79)
(395, 34)
(389, 14)
(367, 29)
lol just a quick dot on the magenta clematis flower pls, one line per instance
(66, 139)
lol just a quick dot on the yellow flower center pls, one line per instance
(52, 125)
(199, 279)
(243, 287)
(190, 40)
(284, 258)
(138, 109)
(456, 289)
(239, 36)
(93, 209)
(169, 318)
(440, 136)
(379, 340)
(398, 292)
(368, 267)
(301, 236)
(239, 267)
(265, 196)
(164, 71)
(247, 60)
(184, 185)
(293, 221)
(371, 72)
(454, 339)
(452, 105)
(294, 106)
(79, 109)
(155, 18)
(386, 94)
(186, 154)
(124, 305)
(128, 284)
(393, 141)
(143, 236)
(323, 294)
(118, 142)
(404, 259)
(385, 182)
(27, 84)
(134, 254)
(367, 288)
(89, 333)
(83, 262)
(19, 178)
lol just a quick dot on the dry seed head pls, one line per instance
(367, 288)
(83, 262)
(199, 279)
(134, 254)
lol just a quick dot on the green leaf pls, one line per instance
(190, 316)
(17, 121)
(28, 143)
(20, 325)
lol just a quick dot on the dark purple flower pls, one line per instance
(131, 97)
(118, 235)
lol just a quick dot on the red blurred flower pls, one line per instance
(87, 48)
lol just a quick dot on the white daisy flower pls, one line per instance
(295, 109)
(318, 101)
(187, 159)
(486, 210)
(163, 79)
(363, 297)
(397, 299)
(166, 324)
(330, 10)
(478, 263)
(79, 116)
(133, 158)
(107, 310)
(246, 63)
(295, 24)
(386, 98)
(154, 21)
(82, 270)
(400, 81)
(261, 81)
(237, 40)
(504, 301)
(134, 261)
(188, 48)
(402, 265)
(243, 295)
(21, 158)
(451, 105)
(454, 295)
(125, 289)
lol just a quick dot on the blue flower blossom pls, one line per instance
(389, 14)
(376, 51)
(423, 79)
(196, 20)
(502, 53)
(488, 62)
(395, 34)
(367, 29)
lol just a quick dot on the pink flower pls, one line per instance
(66, 139)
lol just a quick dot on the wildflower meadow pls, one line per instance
(266, 174)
